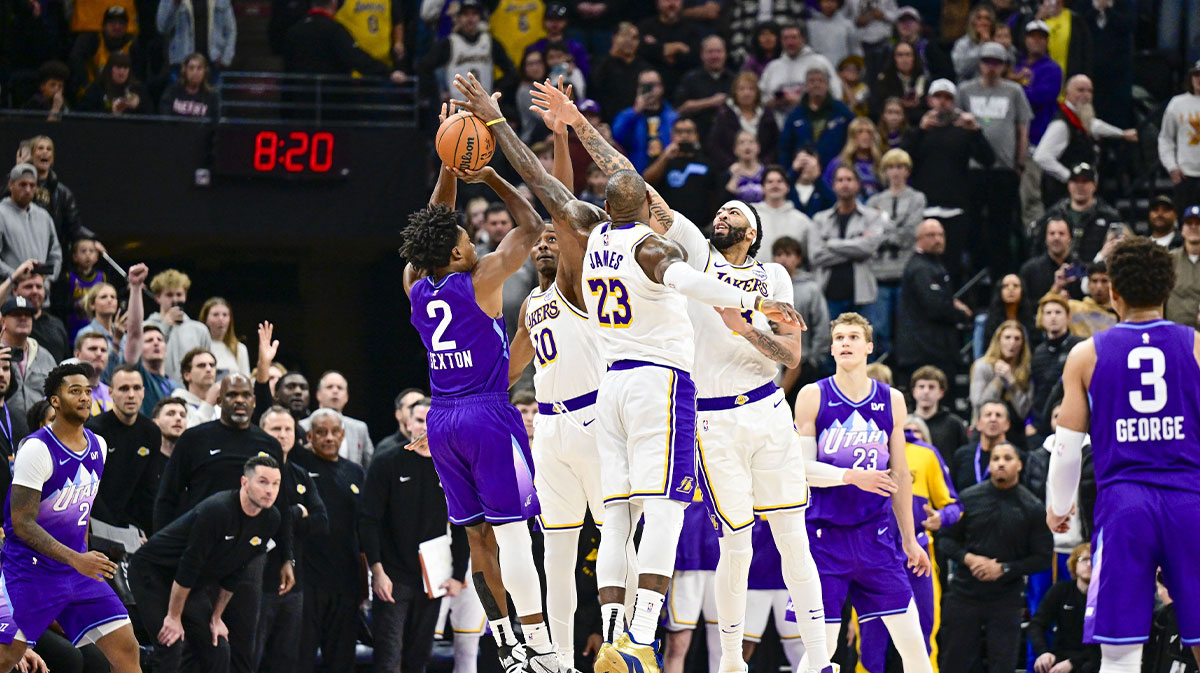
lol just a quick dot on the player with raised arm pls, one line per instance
(476, 438)
(852, 433)
(635, 284)
(1134, 388)
(47, 573)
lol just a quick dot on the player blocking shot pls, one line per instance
(477, 439)
(635, 285)
(1134, 389)
(852, 433)
(47, 573)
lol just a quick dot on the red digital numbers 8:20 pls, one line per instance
(295, 152)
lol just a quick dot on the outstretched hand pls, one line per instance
(478, 102)
(482, 175)
(447, 112)
(554, 105)
(783, 312)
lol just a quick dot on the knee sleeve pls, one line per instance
(791, 538)
(733, 571)
(516, 566)
(660, 537)
(1120, 658)
(616, 534)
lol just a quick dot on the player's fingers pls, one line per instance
(461, 104)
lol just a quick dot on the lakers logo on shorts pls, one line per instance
(255, 541)
(740, 400)
(686, 485)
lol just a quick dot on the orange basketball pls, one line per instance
(464, 142)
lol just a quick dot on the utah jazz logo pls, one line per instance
(686, 485)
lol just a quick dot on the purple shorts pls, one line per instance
(1140, 529)
(30, 601)
(861, 562)
(481, 452)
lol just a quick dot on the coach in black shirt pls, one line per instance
(127, 495)
(216, 543)
(332, 575)
(404, 506)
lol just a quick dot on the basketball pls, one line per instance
(464, 142)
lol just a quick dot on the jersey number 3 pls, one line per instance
(1153, 378)
(620, 314)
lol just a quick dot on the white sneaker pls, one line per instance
(543, 663)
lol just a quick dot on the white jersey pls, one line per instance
(566, 358)
(635, 317)
(731, 365)
(470, 59)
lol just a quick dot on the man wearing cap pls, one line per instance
(1179, 141)
(48, 329)
(1090, 218)
(1162, 223)
(941, 147)
(1184, 303)
(555, 23)
(1003, 113)
(91, 50)
(28, 228)
(1071, 138)
(1042, 79)
(908, 29)
(30, 362)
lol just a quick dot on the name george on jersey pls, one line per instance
(1150, 429)
(450, 360)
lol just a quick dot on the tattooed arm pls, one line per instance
(24, 503)
(781, 343)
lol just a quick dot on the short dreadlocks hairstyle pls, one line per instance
(1142, 272)
(55, 378)
(430, 237)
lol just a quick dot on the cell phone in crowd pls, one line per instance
(16, 354)
(43, 269)
(1072, 272)
(644, 89)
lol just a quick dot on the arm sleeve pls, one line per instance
(1051, 147)
(819, 474)
(460, 553)
(33, 466)
(688, 236)
(697, 285)
(1062, 479)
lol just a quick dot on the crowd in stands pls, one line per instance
(955, 172)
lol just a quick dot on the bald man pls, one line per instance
(929, 314)
(333, 392)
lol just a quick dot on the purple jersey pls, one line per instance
(468, 349)
(852, 435)
(1145, 404)
(66, 505)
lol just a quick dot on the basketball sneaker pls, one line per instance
(544, 663)
(628, 656)
(512, 658)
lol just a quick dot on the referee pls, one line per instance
(217, 543)
(207, 459)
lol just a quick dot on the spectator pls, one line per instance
(170, 415)
(748, 19)
(1001, 538)
(1091, 219)
(1162, 223)
(100, 304)
(83, 275)
(1184, 303)
(1056, 270)
(941, 148)
(785, 80)
(819, 119)
(561, 65)
(616, 82)
(92, 348)
(762, 50)
(779, 215)
(743, 111)
(981, 24)
(52, 78)
(703, 90)
(1095, 312)
(405, 506)
(1042, 80)
(597, 183)
(1002, 374)
(947, 431)
(30, 362)
(182, 334)
(497, 223)
(809, 193)
(231, 353)
(332, 584)
(28, 228)
(683, 174)
(145, 346)
(892, 124)
(810, 303)
(532, 69)
(292, 393)
(1110, 24)
(1165, 651)
(48, 330)
(515, 25)
(205, 26)
(116, 90)
(526, 403)
(1060, 620)
(845, 239)
(1070, 139)
(320, 45)
(855, 92)
(190, 95)
(134, 463)
(1001, 110)
(555, 24)
(903, 207)
(644, 130)
(199, 370)
(277, 643)
(1178, 154)
(862, 154)
(1010, 301)
(744, 178)
(873, 21)
(1070, 39)
(333, 393)
(1050, 356)
(831, 34)
(908, 29)
(905, 80)
(403, 403)
(92, 49)
(929, 314)
(670, 42)
(595, 22)
(377, 28)
(54, 196)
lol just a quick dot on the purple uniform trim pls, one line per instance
(864, 563)
(698, 548)
(468, 349)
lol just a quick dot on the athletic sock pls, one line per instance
(647, 607)
(537, 638)
(612, 621)
(502, 632)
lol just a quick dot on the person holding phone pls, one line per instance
(29, 229)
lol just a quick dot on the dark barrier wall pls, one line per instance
(318, 258)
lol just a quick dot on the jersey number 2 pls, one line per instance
(434, 309)
(1153, 379)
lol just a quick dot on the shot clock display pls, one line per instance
(280, 152)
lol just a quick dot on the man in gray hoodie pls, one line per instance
(26, 229)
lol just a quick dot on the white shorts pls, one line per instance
(692, 592)
(751, 461)
(465, 611)
(646, 436)
(761, 604)
(567, 469)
